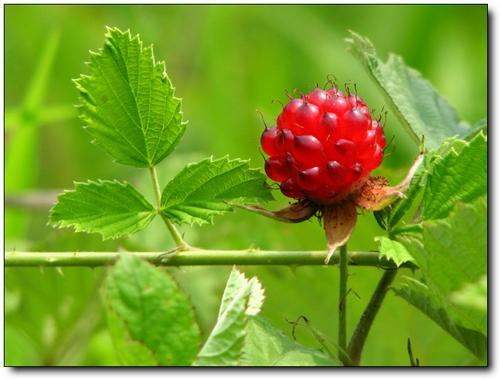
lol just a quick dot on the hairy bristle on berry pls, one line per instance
(325, 144)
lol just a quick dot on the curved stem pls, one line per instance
(363, 328)
(176, 236)
(342, 339)
(196, 257)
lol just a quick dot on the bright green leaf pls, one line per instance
(130, 352)
(452, 255)
(110, 208)
(268, 346)
(158, 318)
(394, 251)
(472, 295)
(459, 175)
(202, 190)
(432, 305)
(421, 110)
(242, 298)
(127, 102)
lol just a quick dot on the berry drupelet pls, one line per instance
(324, 146)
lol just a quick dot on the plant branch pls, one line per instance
(363, 328)
(342, 339)
(176, 236)
(197, 257)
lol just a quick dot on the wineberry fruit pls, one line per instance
(324, 146)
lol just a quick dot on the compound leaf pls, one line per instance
(242, 299)
(202, 190)
(111, 208)
(459, 175)
(127, 102)
(421, 110)
(267, 346)
(151, 320)
(394, 251)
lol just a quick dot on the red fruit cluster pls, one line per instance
(325, 145)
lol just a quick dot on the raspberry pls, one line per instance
(324, 146)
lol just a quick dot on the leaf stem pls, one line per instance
(363, 328)
(176, 236)
(342, 339)
(196, 257)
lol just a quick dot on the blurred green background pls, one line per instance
(226, 62)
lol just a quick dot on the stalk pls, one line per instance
(196, 257)
(176, 236)
(364, 325)
(342, 332)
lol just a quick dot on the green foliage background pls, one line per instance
(225, 62)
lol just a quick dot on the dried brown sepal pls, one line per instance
(375, 194)
(297, 212)
(338, 221)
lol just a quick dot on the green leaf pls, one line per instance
(452, 255)
(268, 346)
(242, 298)
(432, 305)
(456, 250)
(400, 208)
(472, 295)
(202, 190)
(394, 251)
(421, 110)
(151, 320)
(459, 175)
(111, 208)
(127, 102)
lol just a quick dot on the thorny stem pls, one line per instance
(363, 328)
(342, 339)
(176, 236)
(197, 257)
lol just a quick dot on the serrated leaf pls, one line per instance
(111, 208)
(457, 253)
(242, 299)
(158, 318)
(394, 251)
(267, 346)
(430, 303)
(202, 190)
(421, 110)
(451, 254)
(460, 175)
(127, 102)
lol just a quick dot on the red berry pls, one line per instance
(307, 149)
(277, 169)
(309, 179)
(306, 118)
(324, 146)
(317, 97)
(290, 189)
(270, 141)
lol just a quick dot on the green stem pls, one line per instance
(363, 328)
(342, 339)
(196, 257)
(176, 236)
